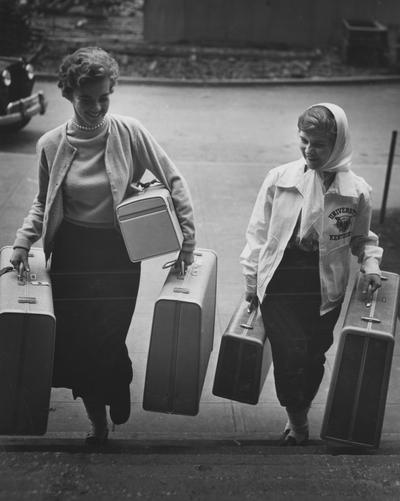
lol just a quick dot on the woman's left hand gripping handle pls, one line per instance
(185, 259)
(19, 259)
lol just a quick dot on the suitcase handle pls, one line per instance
(31, 278)
(22, 281)
(251, 320)
(5, 270)
(146, 185)
(168, 264)
(368, 300)
(369, 303)
(182, 271)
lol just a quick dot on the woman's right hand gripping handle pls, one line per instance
(252, 299)
(19, 259)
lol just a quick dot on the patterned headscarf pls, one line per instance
(338, 161)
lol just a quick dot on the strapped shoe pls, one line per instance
(290, 438)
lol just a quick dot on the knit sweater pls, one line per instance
(130, 150)
(86, 188)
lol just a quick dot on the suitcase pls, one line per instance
(27, 337)
(149, 224)
(244, 357)
(182, 337)
(357, 394)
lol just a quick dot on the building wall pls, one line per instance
(263, 23)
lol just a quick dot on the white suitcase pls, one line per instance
(27, 339)
(149, 224)
(182, 337)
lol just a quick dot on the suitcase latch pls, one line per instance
(247, 326)
(27, 299)
(182, 290)
(371, 319)
(38, 282)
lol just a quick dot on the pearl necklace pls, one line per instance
(89, 129)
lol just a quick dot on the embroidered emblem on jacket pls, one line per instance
(342, 218)
(343, 223)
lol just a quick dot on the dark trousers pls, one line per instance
(94, 288)
(299, 336)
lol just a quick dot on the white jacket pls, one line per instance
(345, 229)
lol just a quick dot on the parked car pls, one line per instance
(17, 103)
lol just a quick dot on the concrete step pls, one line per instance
(195, 470)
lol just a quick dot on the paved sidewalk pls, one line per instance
(224, 140)
(221, 220)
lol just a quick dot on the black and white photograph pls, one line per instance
(199, 250)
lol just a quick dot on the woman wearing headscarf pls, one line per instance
(309, 217)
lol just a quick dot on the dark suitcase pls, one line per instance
(27, 337)
(182, 337)
(358, 389)
(244, 357)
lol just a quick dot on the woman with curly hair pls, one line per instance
(87, 166)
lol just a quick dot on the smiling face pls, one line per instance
(91, 101)
(316, 147)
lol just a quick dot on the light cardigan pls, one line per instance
(130, 150)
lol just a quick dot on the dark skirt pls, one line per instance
(95, 286)
(298, 334)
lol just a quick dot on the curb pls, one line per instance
(141, 48)
(194, 443)
(345, 80)
(123, 445)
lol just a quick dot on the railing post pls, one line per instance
(388, 174)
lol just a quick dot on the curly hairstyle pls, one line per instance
(85, 64)
(318, 118)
